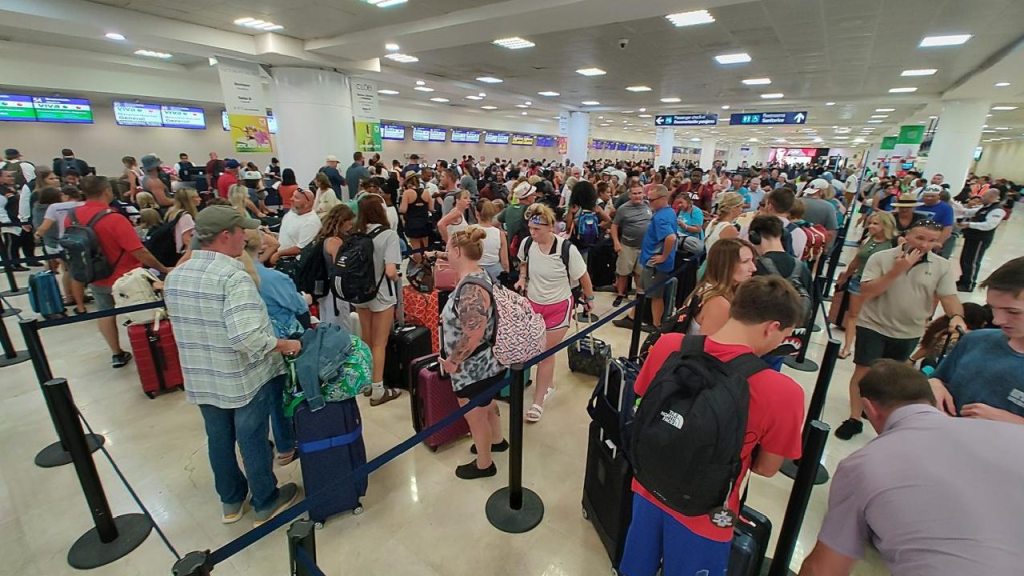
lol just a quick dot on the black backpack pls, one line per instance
(795, 279)
(83, 254)
(353, 275)
(312, 275)
(160, 241)
(66, 165)
(689, 428)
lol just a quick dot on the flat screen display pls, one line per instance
(420, 134)
(438, 134)
(497, 138)
(136, 114)
(621, 146)
(62, 110)
(183, 117)
(545, 142)
(471, 136)
(17, 108)
(978, 152)
(392, 132)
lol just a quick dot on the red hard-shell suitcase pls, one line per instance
(421, 309)
(156, 357)
(431, 399)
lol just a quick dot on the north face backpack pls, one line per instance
(795, 279)
(354, 280)
(587, 230)
(519, 331)
(689, 428)
(161, 243)
(312, 274)
(83, 254)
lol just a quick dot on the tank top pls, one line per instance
(492, 247)
(481, 364)
(417, 213)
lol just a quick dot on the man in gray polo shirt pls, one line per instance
(820, 211)
(935, 495)
(628, 229)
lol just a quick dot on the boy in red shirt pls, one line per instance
(763, 313)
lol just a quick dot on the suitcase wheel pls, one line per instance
(150, 395)
(357, 510)
(586, 515)
(318, 525)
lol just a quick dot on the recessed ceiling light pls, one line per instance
(830, 103)
(1004, 108)
(472, 97)
(840, 137)
(691, 18)
(482, 95)
(525, 113)
(875, 121)
(257, 24)
(949, 40)
(387, 92)
(514, 43)
(114, 36)
(997, 84)
(779, 140)
(773, 95)
(919, 72)
(903, 90)
(212, 60)
(590, 103)
(591, 72)
(548, 93)
(738, 58)
(424, 89)
(489, 80)
(638, 88)
(934, 117)
(489, 107)
(642, 110)
(439, 99)
(725, 107)
(153, 54)
(391, 47)
(694, 139)
(672, 100)
(605, 125)
(420, 83)
(643, 116)
(528, 103)
(879, 115)
(757, 81)
(403, 58)
(819, 140)
(385, 3)
(521, 106)
(627, 111)
(885, 109)
(1002, 128)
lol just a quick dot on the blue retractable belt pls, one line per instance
(332, 442)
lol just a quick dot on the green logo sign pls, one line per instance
(913, 134)
(889, 143)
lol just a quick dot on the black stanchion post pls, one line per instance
(800, 361)
(833, 261)
(111, 538)
(814, 447)
(193, 564)
(301, 534)
(638, 314)
(8, 312)
(817, 406)
(515, 509)
(55, 454)
(11, 356)
(12, 282)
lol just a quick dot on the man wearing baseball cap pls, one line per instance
(941, 212)
(231, 362)
(228, 178)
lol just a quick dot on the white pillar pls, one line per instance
(959, 131)
(707, 152)
(735, 156)
(314, 114)
(579, 137)
(665, 138)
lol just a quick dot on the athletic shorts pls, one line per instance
(628, 261)
(656, 538)
(104, 297)
(556, 316)
(653, 281)
(871, 346)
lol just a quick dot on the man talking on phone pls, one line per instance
(899, 287)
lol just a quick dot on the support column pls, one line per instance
(665, 138)
(579, 137)
(314, 113)
(960, 124)
(707, 152)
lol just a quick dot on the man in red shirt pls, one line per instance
(228, 178)
(122, 248)
(703, 195)
(762, 314)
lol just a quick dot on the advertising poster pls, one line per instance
(366, 115)
(245, 102)
(563, 145)
(368, 136)
(250, 133)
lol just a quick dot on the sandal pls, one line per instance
(389, 395)
(534, 414)
(844, 354)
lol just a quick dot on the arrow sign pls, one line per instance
(687, 120)
(750, 118)
(660, 120)
(799, 117)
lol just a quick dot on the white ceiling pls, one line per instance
(815, 51)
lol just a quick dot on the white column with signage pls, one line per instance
(313, 109)
(665, 138)
(579, 137)
(707, 152)
(958, 134)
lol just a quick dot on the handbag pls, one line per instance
(589, 355)
(445, 277)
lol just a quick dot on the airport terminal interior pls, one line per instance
(515, 97)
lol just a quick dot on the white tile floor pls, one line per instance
(419, 519)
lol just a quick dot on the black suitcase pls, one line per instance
(330, 445)
(749, 543)
(686, 274)
(405, 344)
(601, 264)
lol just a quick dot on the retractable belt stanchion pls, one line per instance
(301, 534)
(515, 509)
(796, 509)
(193, 564)
(800, 361)
(12, 282)
(111, 537)
(56, 454)
(11, 356)
(817, 406)
(833, 261)
(8, 312)
(638, 313)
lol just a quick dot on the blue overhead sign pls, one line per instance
(687, 120)
(769, 118)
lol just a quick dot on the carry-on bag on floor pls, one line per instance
(613, 402)
(749, 543)
(601, 264)
(424, 309)
(330, 446)
(405, 344)
(840, 306)
(44, 294)
(156, 357)
(607, 492)
(431, 399)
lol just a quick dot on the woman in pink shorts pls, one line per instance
(550, 267)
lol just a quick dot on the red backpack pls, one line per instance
(817, 239)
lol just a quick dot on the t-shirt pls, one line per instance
(512, 218)
(903, 310)
(663, 225)
(983, 368)
(632, 220)
(756, 197)
(549, 283)
(298, 229)
(941, 213)
(774, 422)
(785, 264)
(185, 223)
(355, 174)
(818, 211)
(695, 217)
(117, 239)
(58, 213)
(225, 182)
(286, 191)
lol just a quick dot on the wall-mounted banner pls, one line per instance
(911, 134)
(245, 103)
(366, 115)
(888, 143)
(250, 133)
(563, 145)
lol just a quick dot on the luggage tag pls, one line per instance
(722, 516)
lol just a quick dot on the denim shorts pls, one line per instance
(853, 285)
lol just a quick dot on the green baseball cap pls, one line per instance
(216, 219)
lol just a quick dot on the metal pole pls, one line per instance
(8, 312)
(816, 407)
(638, 314)
(515, 458)
(11, 356)
(515, 509)
(301, 534)
(800, 362)
(12, 282)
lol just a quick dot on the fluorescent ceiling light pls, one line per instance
(423, 89)
(521, 106)
(472, 97)
(1002, 128)
(691, 18)
(392, 47)
(949, 40)
(672, 100)
(818, 140)
(627, 111)
(885, 109)
(738, 58)
(591, 72)
(879, 115)
(403, 58)
(919, 72)
(528, 103)
(489, 107)
(840, 137)
(114, 36)
(638, 88)
(441, 100)
(997, 84)
(903, 90)
(514, 43)
(830, 103)
(489, 80)
(385, 3)
(482, 95)
(548, 93)
(605, 125)
(644, 116)
(387, 92)
(725, 107)
(590, 103)
(153, 54)
(1004, 108)
(257, 24)
(420, 82)
(875, 121)
(757, 81)
(859, 140)
(525, 113)
(773, 95)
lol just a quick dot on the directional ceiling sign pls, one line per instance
(749, 118)
(687, 120)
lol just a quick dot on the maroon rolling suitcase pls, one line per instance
(156, 357)
(431, 399)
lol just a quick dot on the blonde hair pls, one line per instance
(250, 266)
(237, 195)
(887, 222)
(183, 202)
(149, 217)
(540, 211)
(729, 202)
(146, 200)
(470, 241)
(487, 210)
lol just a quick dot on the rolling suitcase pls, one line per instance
(601, 263)
(330, 445)
(156, 357)
(405, 344)
(749, 543)
(44, 294)
(431, 399)
(424, 309)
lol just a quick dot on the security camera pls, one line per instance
(623, 42)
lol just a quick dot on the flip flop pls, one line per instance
(534, 414)
(843, 355)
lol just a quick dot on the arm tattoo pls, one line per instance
(474, 305)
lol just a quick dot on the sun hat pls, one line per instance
(906, 201)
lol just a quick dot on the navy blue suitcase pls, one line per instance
(44, 294)
(749, 543)
(330, 444)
